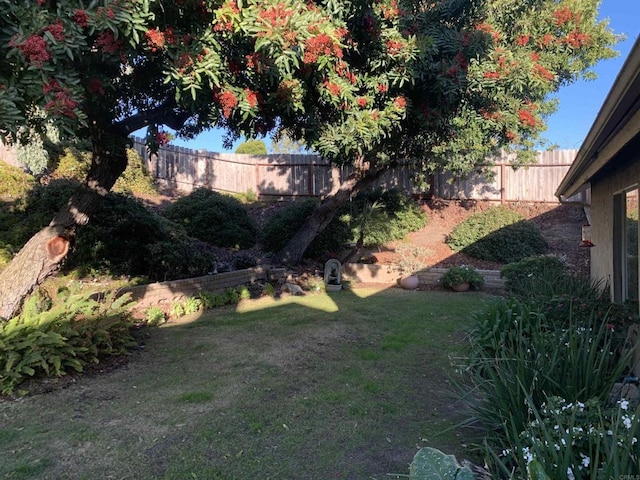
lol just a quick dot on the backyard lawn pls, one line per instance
(340, 386)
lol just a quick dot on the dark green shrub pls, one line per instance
(497, 235)
(126, 238)
(75, 332)
(525, 278)
(462, 274)
(283, 225)
(214, 218)
(397, 216)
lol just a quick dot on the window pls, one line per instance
(625, 237)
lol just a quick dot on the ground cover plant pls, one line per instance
(311, 387)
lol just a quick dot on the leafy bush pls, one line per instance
(462, 274)
(523, 278)
(135, 178)
(14, 183)
(214, 218)
(75, 332)
(75, 164)
(283, 225)
(252, 147)
(126, 238)
(398, 216)
(497, 235)
(154, 315)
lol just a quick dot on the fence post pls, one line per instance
(503, 190)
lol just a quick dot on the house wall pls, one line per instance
(624, 175)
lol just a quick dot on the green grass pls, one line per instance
(345, 385)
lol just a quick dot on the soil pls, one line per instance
(560, 225)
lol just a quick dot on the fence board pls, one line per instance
(286, 175)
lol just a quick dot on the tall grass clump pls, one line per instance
(525, 353)
(498, 234)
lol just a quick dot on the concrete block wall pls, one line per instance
(162, 292)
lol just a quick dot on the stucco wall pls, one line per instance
(612, 181)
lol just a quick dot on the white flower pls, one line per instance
(506, 452)
(634, 440)
(564, 442)
(527, 455)
(557, 447)
(585, 460)
(570, 475)
(624, 404)
(580, 406)
(627, 421)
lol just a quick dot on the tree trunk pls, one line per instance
(41, 255)
(292, 252)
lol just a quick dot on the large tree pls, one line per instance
(442, 84)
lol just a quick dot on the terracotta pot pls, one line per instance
(461, 287)
(410, 282)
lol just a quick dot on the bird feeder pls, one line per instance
(586, 236)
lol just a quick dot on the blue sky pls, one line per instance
(579, 102)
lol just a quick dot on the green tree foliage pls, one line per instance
(252, 147)
(441, 84)
(376, 80)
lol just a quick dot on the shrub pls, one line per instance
(126, 238)
(523, 278)
(135, 178)
(283, 225)
(397, 216)
(497, 235)
(462, 274)
(14, 183)
(214, 218)
(252, 147)
(50, 342)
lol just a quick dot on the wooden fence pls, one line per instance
(285, 176)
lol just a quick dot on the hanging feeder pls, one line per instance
(586, 236)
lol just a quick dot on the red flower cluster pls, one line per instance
(56, 30)
(318, 45)
(161, 138)
(382, 88)
(334, 88)
(35, 50)
(252, 97)
(400, 102)
(526, 118)
(227, 101)
(61, 103)
(543, 72)
(394, 47)
(362, 101)
(562, 16)
(485, 27)
(155, 39)
(107, 42)
(523, 40)
(277, 17)
(81, 18)
(95, 86)
(577, 39)
(491, 75)
(342, 69)
(391, 11)
(546, 40)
